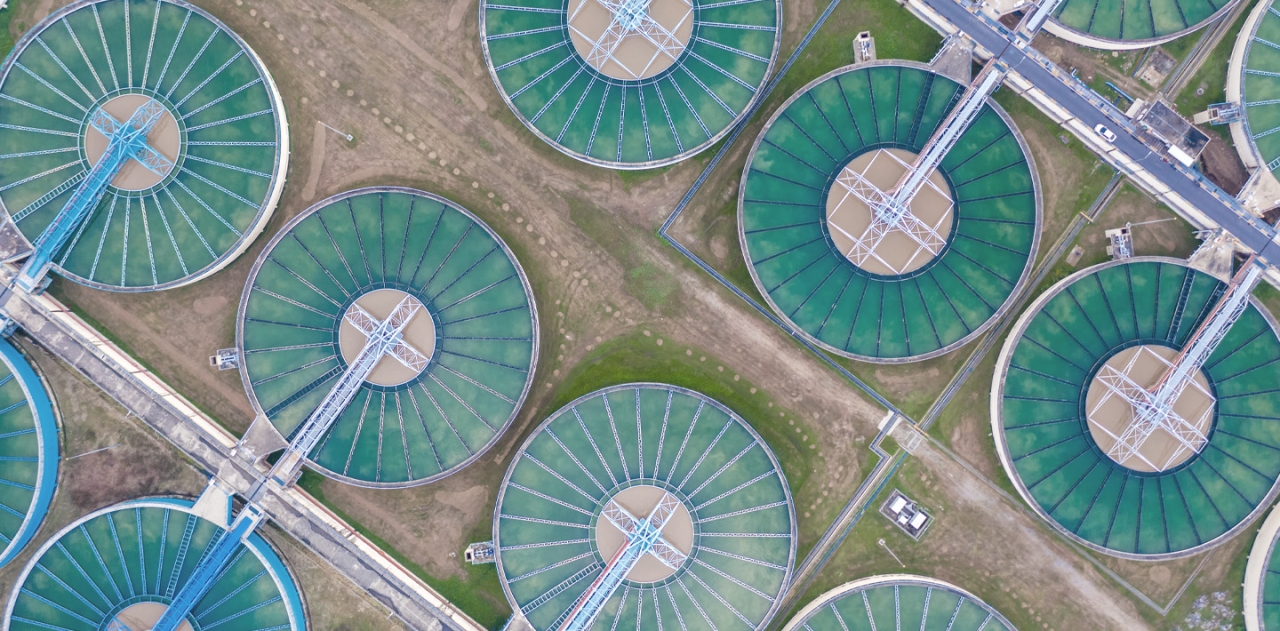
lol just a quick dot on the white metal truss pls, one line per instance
(382, 339)
(641, 537)
(885, 218)
(891, 210)
(368, 325)
(631, 19)
(143, 119)
(1153, 408)
(1128, 444)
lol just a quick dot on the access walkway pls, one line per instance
(1078, 108)
(213, 449)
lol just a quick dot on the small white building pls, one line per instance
(906, 514)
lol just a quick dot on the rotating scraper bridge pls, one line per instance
(814, 239)
(447, 381)
(653, 497)
(145, 145)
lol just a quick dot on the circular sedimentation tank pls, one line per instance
(28, 452)
(223, 130)
(373, 248)
(1132, 24)
(634, 445)
(125, 563)
(634, 90)
(1254, 82)
(900, 301)
(1262, 578)
(898, 601)
(1055, 426)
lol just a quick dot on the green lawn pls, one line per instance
(9, 32)
(1213, 74)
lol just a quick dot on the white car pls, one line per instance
(1104, 132)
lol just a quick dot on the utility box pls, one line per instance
(478, 553)
(864, 48)
(225, 359)
(906, 514)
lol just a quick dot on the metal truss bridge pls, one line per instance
(642, 537)
(1153, 407)
(125, 142)
(382, 339)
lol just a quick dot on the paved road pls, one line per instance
(1256, 236)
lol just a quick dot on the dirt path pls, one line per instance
(317, 162)
(1035, 565)
(42, 10)
(191, 361)
(431, 60)
(459, 11)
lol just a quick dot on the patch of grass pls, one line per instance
(9, 31)
(889, 445)
(1174, 238)
(636, 178)
(1269, 296)
(1117, 60)
(638, 358)
(655, 289)
(1213, 75)
(479, 595)
(898, 33)
(964, 426)
(652, 287)
(1179, 48)
(1219, 581)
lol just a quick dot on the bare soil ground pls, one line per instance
(1095, 67)
(1221, 163)
(1156, 67)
